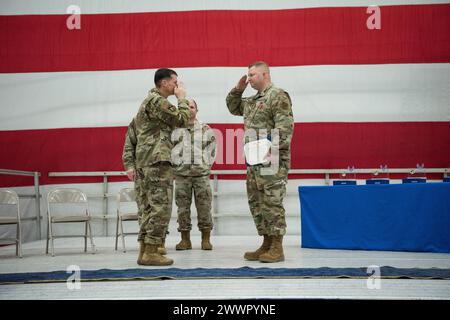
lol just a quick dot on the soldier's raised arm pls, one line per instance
(234, 97)
(168, 113)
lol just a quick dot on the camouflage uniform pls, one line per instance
(129, 162)
(129, 148)
(192, 175)
(154, 124)
(270, 109)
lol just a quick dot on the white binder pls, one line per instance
(257, 151)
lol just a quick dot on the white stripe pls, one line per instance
(26, 7)
(338, 93)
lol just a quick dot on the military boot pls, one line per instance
(185, 243)
(275, 253)
(162, 248)
(206, 245)
(151, 257)
(254, 256)
(141, 251)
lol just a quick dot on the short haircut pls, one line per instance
(162, 74)
(260, 64)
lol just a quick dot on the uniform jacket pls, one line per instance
(267, 110)
(153, 125)
(199, 142)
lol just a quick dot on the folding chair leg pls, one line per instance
(48, 237)
(19, 242)
(85, 235)
(117, 232)
(123, 237)
(20, 250)
(90, 236)
(52, 240)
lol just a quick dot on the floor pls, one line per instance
(227, 253)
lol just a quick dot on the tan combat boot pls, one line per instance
(162, 248)
(185, 243)
(275, 253)
(254, 256)
(206, 245)
(141, 251)
(151, 257)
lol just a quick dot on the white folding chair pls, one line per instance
(68, 196)
(10, 198)
(125, 195)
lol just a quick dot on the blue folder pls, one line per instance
(344, 182)
(377, 181)
(414, 180)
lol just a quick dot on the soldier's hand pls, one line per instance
(180, 91)
(242, 84)
(131, 174)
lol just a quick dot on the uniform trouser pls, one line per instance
(265, 198)
(137, 189)
(200, 186)
(154, 192)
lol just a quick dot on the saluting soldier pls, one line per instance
(268, 113)
(155, 121)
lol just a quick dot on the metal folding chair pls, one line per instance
(125, 195)
(68, 196)
(10, 198)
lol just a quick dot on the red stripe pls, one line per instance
(314, 146)
(315, 36)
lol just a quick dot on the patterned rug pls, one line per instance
(155, 273)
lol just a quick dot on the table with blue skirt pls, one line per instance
(392, 217)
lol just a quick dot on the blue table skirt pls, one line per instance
(397, 217)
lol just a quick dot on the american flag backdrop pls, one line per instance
(363, 97)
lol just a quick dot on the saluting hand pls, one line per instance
(180, 91)
(242, 84)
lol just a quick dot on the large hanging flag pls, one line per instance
(370, 85)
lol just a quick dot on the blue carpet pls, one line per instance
(224, 273)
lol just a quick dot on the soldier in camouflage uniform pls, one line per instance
(129, 163)
(195, 151)
(269, 109)
(154, 123)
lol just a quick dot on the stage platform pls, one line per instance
(228, 253)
